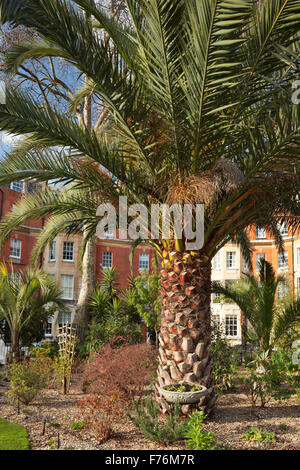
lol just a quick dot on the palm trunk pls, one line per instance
(243, 334)
(184, 350)
(81, 315)
(15, 347)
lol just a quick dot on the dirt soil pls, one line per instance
(231, 420)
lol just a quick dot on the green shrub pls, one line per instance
(78, 425)
(197, 438)
(146, 417)
(47, 349)
(26, 381)
(269, 377)
(225, 360)
(259, 435)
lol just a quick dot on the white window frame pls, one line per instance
(282, 227)
(49, 326)
(107, 255)
(217, 261)
(283, 260)
(67, 251)
(15, 251)
(283, 289)
(52, 252)
(63, 318)
(258, 257)
(298, 286)
(298, 256)
(231, 322)
(64, 287)
(260, 232)
(230, 260)
(17, 186)
(146, 264)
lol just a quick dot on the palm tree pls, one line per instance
(22, 298)
(198, 100)
(256, 297)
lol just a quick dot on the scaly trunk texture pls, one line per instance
(81, 315)
(184, 339)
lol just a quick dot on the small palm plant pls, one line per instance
(23, 297)
(256, 298)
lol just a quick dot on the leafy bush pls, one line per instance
(113, 314)
(99, 415)
(259, 435)
(27, 381)
(146, 418)
(115, 376)
(270, 377)
(197, 438)
(145, 297)
(47, 349)
(78, 425)
(125, 370)
(226, 360)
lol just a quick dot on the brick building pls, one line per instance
(61, 259)
(16, 252)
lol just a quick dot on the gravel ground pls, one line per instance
(232, 418)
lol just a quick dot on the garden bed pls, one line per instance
(232, 418)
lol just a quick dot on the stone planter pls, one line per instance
(182, 397)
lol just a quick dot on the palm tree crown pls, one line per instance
(23, 297)
(199, 101)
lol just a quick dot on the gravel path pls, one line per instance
(232, 418)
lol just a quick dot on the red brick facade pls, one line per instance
(26, 236)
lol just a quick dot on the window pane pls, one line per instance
(144, 261)
(282, 227)
(231, 325)
(298, 256)
(63, 318)
(107, 259)
(217, 261)
(259, 257)
(260, 232)
(283, 260)
(52, 251)
(67, 286)
(48, 329)
(15, 248)
(230, 259)
(283, 289)
(68, 251)
(17, 186)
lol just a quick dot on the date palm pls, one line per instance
(198, 110)
(256, 297)
(22, 298)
